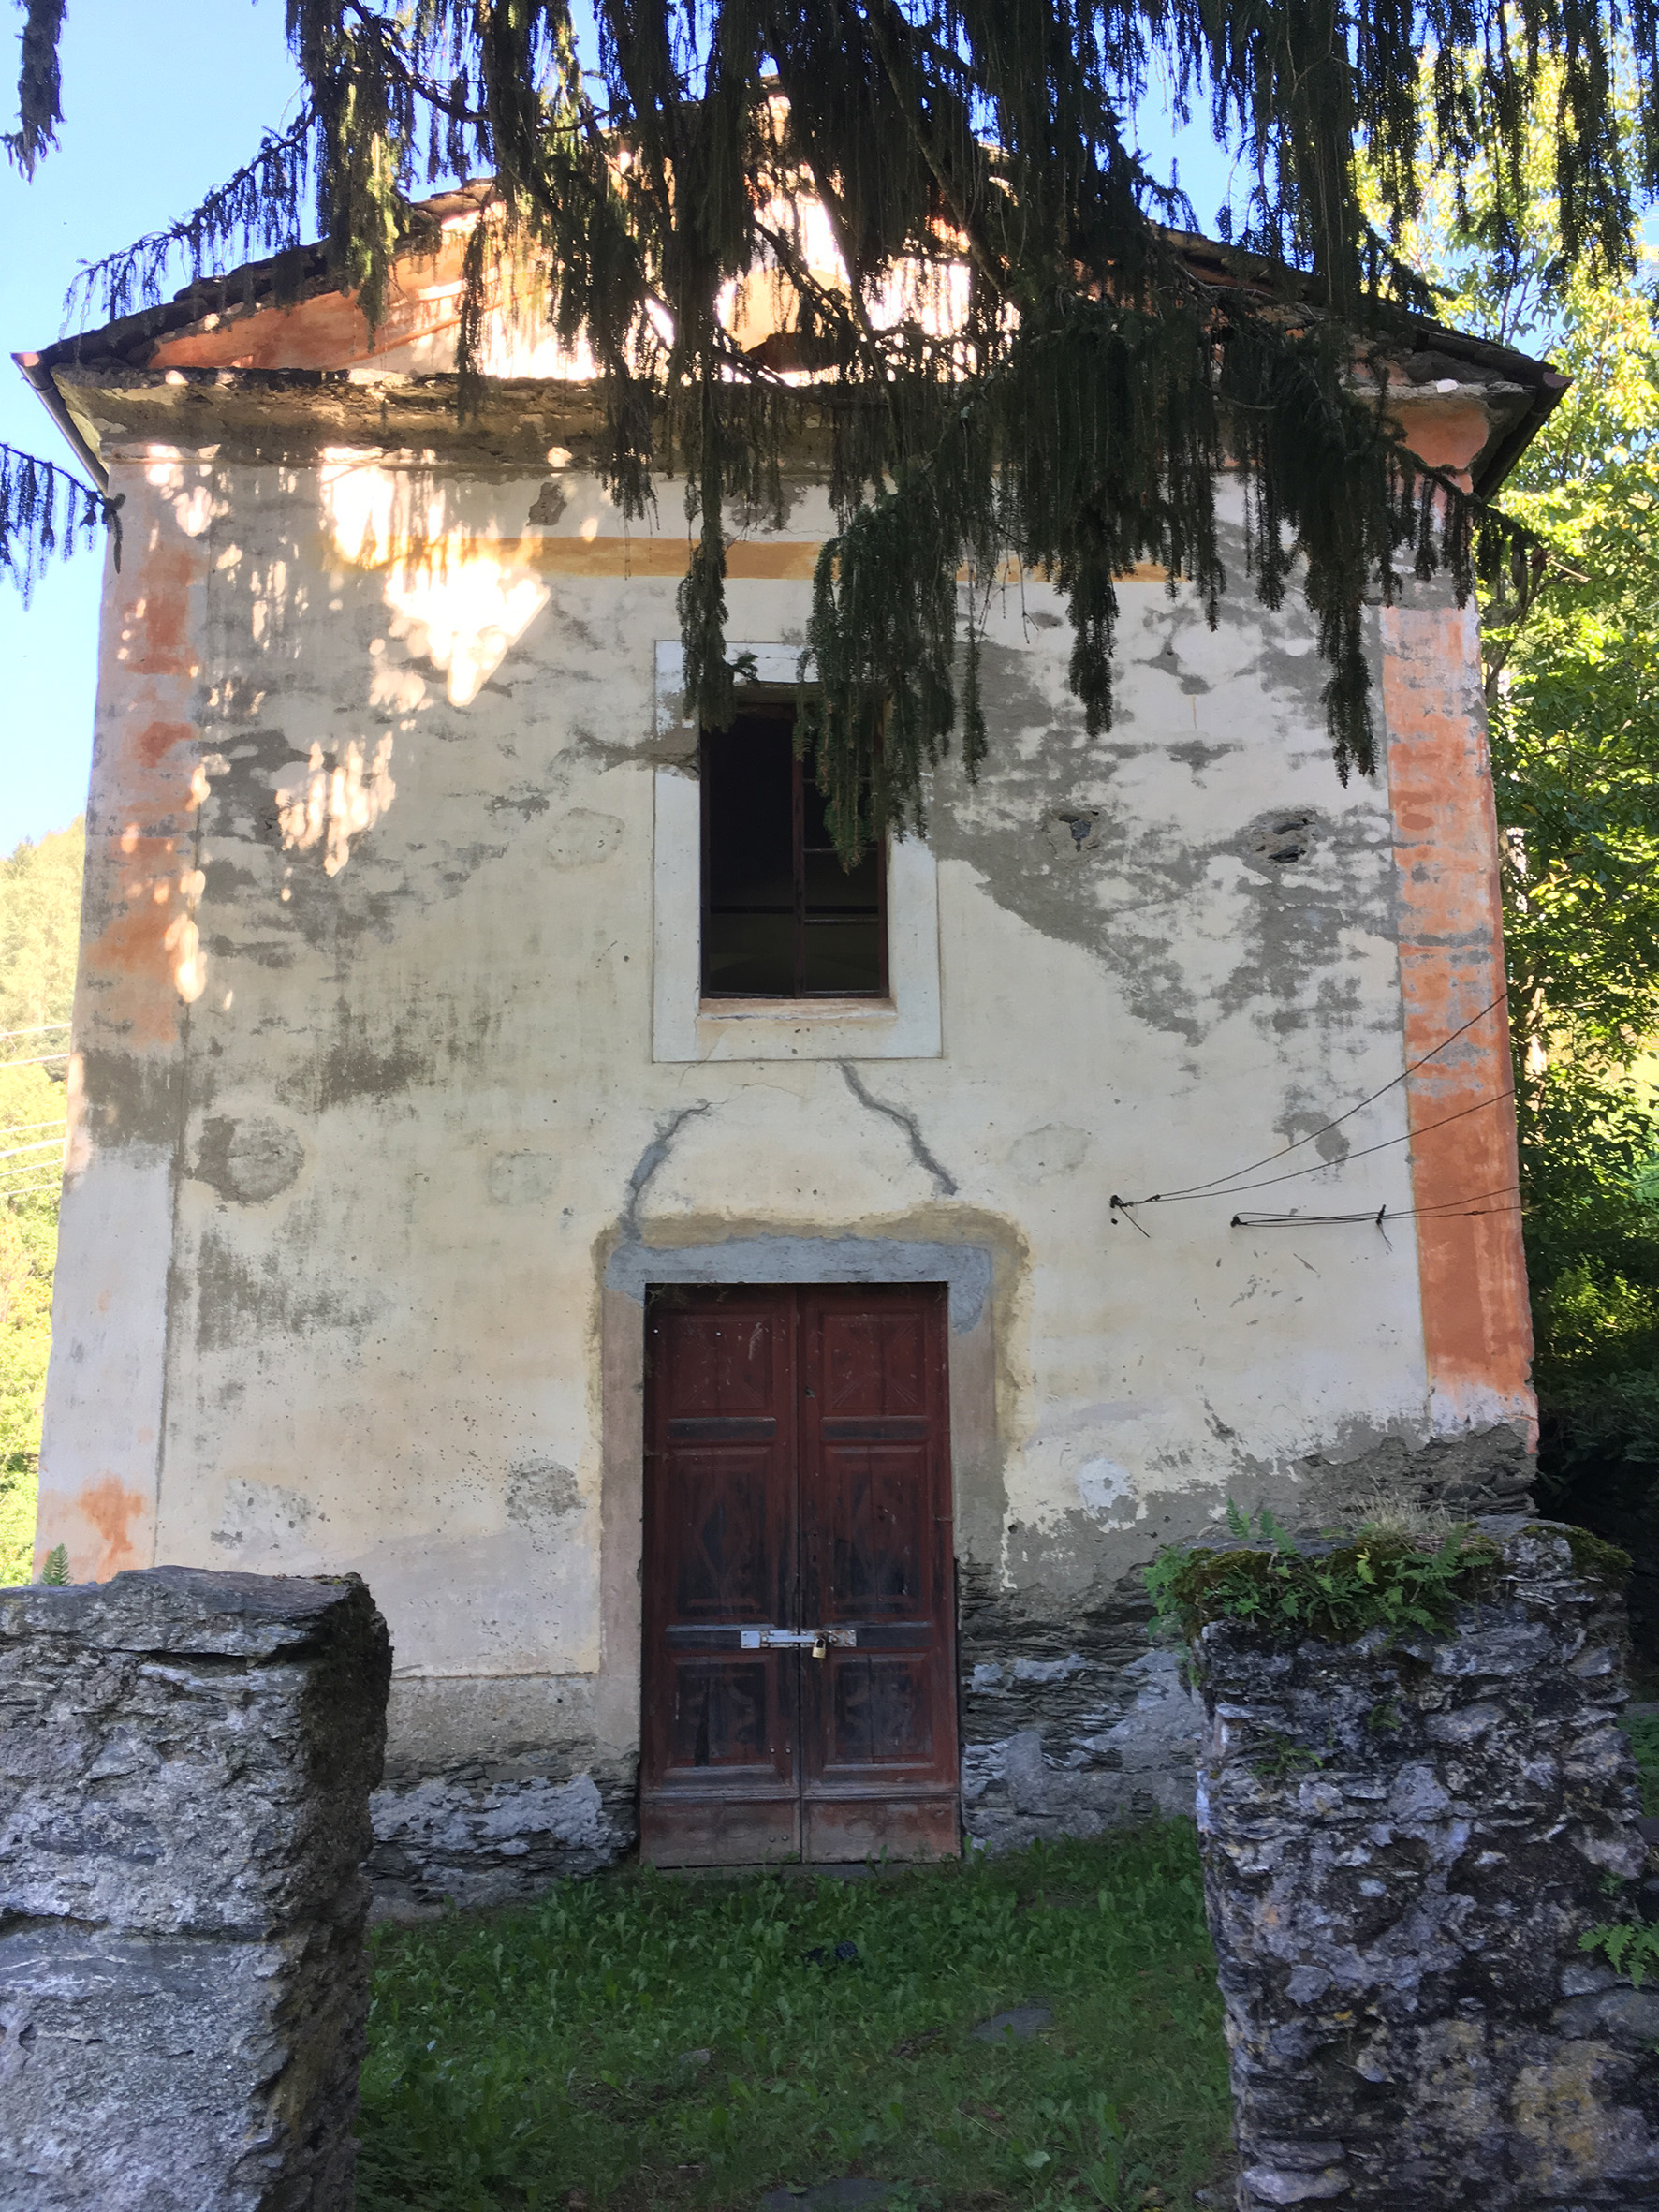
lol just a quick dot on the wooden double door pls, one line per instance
(799, 1691)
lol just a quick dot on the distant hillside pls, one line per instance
(39, 930)
(40, 927)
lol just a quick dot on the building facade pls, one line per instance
(693, 1293)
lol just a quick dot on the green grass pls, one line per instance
(646, 2040)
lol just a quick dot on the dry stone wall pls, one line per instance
(1069, 1723)
(1405, 1838)
(486, 1833)
(185, 1764)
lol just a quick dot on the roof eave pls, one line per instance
(39, 377)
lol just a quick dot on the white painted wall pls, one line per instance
(422, 1089)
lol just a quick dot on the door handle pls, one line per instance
(816, 1640)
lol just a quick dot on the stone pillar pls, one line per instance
(1404, 1839)
(185, 1762)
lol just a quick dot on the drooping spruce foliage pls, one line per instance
(1078, 385)
(45, 509)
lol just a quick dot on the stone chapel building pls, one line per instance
(511, 1161)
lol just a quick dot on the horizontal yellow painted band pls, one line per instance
(760, 560)
(775, 560)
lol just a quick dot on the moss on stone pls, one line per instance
(1284, 1595)
(1595, 1559)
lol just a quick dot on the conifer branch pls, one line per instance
(260, 209)
(1076, 408)
(39, 85)
(44, 511)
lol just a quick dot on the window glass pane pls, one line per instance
(844, 931)
(779, 917)
(749, 956)
(749, 768)
(830, 889)
(842, 955)
(749, 909)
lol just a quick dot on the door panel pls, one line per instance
(878, 1720)
(836, 1829)
(882, 1713)
(720, 1722)
(728, 1528)
(871, 1508)
(797, 1478)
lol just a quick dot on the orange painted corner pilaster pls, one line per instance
(140, 968)
(139, 954)
(1472, 1268)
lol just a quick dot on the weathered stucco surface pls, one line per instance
(373, 1164)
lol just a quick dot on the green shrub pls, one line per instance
(1643, 1731)
(1379, 1578)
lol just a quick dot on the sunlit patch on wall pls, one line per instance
(182, 940)
(458, 599)
(464, 620)
(338, 800)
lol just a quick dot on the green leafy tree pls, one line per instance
(40, 923)
(1093, 382)
(1573, 686)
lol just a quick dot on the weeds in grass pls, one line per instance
(646, 2040)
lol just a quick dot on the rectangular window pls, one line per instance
(781, 918)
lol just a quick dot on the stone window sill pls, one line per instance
(796, 1009)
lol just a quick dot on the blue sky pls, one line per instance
(161, 102)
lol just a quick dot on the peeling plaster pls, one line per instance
(397, 1185)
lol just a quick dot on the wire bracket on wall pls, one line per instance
(1302, 1220)
(1471, 1208)
(1229, 1186)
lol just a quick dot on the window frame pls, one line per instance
(783, 711)
(687, 1028)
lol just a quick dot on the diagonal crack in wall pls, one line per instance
(943, 1181)
(652, 1158)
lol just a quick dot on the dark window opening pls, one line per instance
(781, 918)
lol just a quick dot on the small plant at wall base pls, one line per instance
(1374, 1579)
(1642, 1728)
(1629, 1948)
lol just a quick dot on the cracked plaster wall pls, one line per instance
(383, 1138)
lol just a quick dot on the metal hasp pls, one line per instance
(796, 1639)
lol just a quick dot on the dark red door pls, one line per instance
(799, 1679)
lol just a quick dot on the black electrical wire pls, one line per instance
(1171, 1198)
(1212, 1190)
